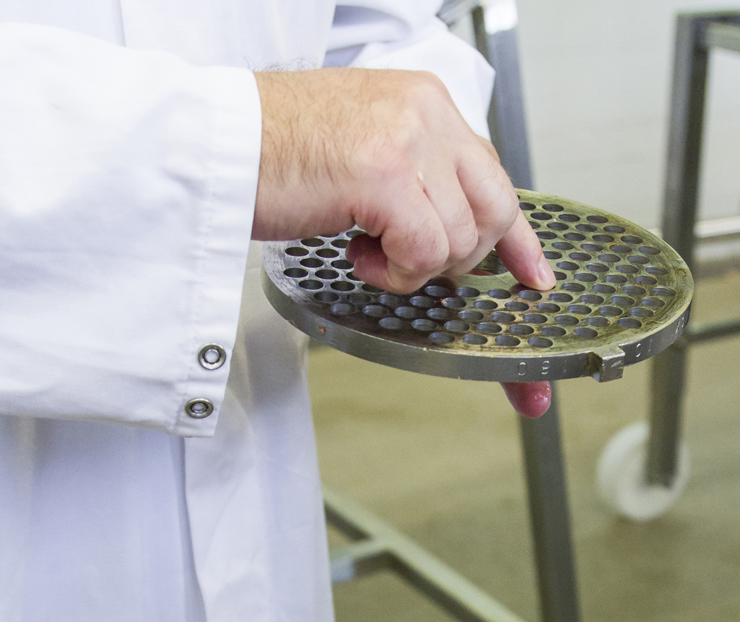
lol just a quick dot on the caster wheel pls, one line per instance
(621, 476)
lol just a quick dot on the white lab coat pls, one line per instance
(129, 155)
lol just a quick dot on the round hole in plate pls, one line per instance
(375, 310)
(652, 301)
(392, 323)
(313, 242)
(541, 216)
(372, 289)
(539, 342)
(557, 226)
(560, 297)
(296, 251)
(552, 207)
(567, 265)
(597, 219)
(631, 239)
(528, 294)
(341, 308)
(520, 329)
(546, 235)
(488, 327)
(548, 307)
(502, 317)
(486, 305)
(534, 318)
(342, 264)
(587, 228)
(597, 267)
(326, 297)
(456, 326)
(599, 322)
(354, 233)
(559, 276)
(453, 303)
(563, 246)
(295, 273)
(622, 249)
(608, 257)
(527, 206)
(579, 309)
(566, 320)
(646, 280)
(515, 305)
(499, 293)
(569, 217)
(638, 259)
(574, 237)
(441, 338)
(408, 313)
(467, 292)
(534, 224)
(390, 300)
(342, 286)
(622, 301)
(312, 262)
(580, 256)
(424, 325)
(475, 340)
(610, 311)
(633, 290)
(422, 301)
(625, 269)
(591, 299)
(359, 299)
(437, 291)
(649, 250)
(439, 313)
(585, 277)
(311, 284)
(507, 340)
(327, 274)
(602, 237)
(552, 331)
(470, 316)
(552, 254)
(354, 277)
(665, 292)
(656, 270)
(629, 322)
(573, 287)
(602, 288)
(614, 229)
(585, 333)
(591, 248)
(327, 253)
(341, 243)
(640, 312)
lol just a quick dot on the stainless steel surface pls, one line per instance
(199, 408)
(211, 356)
(622, 296)
(696, 33)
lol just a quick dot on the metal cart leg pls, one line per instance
(543, 454)
(695, 33)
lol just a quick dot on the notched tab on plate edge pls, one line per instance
(607, 363)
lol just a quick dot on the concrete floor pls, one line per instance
(440, 459)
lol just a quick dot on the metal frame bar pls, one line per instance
(696, 34)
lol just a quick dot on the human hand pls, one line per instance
(388, 151)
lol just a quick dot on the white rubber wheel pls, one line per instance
(621, 476)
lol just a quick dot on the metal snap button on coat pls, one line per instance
(211, 356)
(199, 408)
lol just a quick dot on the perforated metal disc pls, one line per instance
(622, 295)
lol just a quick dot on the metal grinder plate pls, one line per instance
(622, 296)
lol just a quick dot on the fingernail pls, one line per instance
(547, 277)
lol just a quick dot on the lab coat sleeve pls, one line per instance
(406, 34)
(127, 188)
